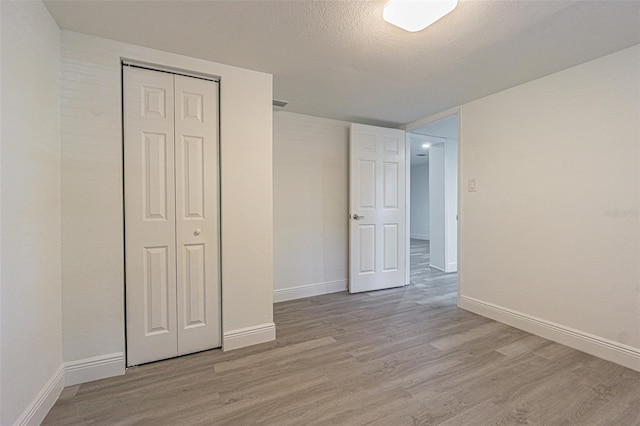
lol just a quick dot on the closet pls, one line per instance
(172, 234)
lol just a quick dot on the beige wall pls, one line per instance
(540, 245)
(31, 319)
(92, 226)
(311, 180)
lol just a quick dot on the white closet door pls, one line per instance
(149, 215)
(197, 232)
(171, 215)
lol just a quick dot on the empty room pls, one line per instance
(319, 212)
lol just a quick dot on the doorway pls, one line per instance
(434, 195)
(172, 236)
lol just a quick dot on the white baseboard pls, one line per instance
(419, 237)
(95, 368)
(243, 337)
(451, 267)
(40, 406)
(308, 290)
(598, 346)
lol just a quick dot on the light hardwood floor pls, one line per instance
(404, 356)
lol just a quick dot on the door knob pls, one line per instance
(357, 216)
(197, 232)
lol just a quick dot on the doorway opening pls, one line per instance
(434, 201)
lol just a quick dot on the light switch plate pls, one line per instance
(471, 185)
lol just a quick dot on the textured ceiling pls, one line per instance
(339, 59)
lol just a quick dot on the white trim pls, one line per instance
(308, 290)
(407, 207)
(48, 395)
(460, 217)
(451, 267)
(95, 368)
(598, 346)
(242, 337)
(170, 70)
(420, 237)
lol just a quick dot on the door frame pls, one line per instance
(124, 62)
(409, 127)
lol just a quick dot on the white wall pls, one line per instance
(551, 239)
(31, 334)
(310, 180)
(92, 227)
(420, 201)
(451, 204)
(436, 207)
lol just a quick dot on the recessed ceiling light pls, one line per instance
(425, 145)
(416, 15)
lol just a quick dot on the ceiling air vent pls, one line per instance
(281, 104)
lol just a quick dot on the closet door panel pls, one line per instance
(149, 215)
(197, 214)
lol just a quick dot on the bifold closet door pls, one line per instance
(150, 222)
(197, 233)
(171, 215)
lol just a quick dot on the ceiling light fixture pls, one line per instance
(416, 15)
(425, 145)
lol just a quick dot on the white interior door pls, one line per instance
(377, 200)
(171, 215)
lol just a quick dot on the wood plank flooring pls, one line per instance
(405, 356)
